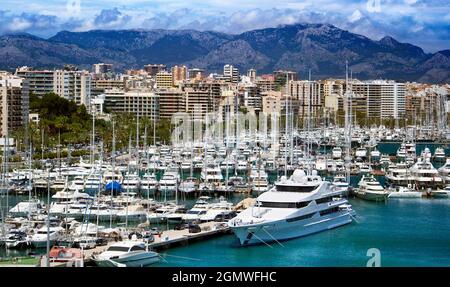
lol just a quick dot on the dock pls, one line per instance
(172, 238)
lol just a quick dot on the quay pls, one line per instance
(168, 239)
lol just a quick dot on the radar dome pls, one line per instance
(298, 175)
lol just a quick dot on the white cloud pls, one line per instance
(357, 15)
(19, 24)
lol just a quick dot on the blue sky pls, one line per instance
(421, 22)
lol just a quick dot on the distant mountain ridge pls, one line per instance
(323, 48)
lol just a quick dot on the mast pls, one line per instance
(286, 127)
(93, 140)
(30, 176)
(113, 159)
(347, 123)
(137, 124)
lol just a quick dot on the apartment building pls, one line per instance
(138, 102)
(164, 80)
(14, 104)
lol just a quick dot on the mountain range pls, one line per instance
(323, 48)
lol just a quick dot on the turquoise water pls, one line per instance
(408, 232)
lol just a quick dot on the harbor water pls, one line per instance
(407, 232)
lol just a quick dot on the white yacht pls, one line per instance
(299, 206)
(365, 168)
(340, 182)
(93, 183)
(375, 154)
(444, 171)
(200, 208)
(135, 212)
(441, 193)
(370, 189)
(385, 159)
(16, 239)
(227, 163)
(62, 200)
(439, 154)
(169, 182)
(162, 212)
(241, 165)
(104, 212)
(399, 174)
(26, 208)
(211, 173)
(59, 183)
(336, 152)
(189, 185)
(259, 180)
(401, 152)
(128, 253)
(404, 192)
(149, 184)
(361, 152)
(53, 234)
(221, 210)
(426, 153)
(425, 175)
(77, 183)
(131, 183)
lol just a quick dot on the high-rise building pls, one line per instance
(196, 74)
(266, 83)
(171, 101)
(164, 80)
(385, 99)
(70, 84)
(280, 77)
(73, 86)
(35, 81)
(144, 103)
(231, 73)
(102, 68)
(252, 97)
(179, 73)
(308, 95)
(14, 104)
(252, 75)
(153, 69)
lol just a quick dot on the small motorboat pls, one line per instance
(128, 253)
(64, 254)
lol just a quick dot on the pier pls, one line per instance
(168, 239)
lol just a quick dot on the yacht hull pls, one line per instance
(371, 196)
(284, 230)
(137, 260)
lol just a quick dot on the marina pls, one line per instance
(173, 222)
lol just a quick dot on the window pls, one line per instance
(323, 200)
(302, 217)
(137, 248)
(278, 204)
(288, 188)
(118, 248)
(328, 211)
(283, 204)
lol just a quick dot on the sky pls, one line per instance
(425, 23)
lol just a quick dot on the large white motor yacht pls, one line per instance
(299, 206)
(425, 175)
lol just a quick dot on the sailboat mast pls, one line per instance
(286, 127)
